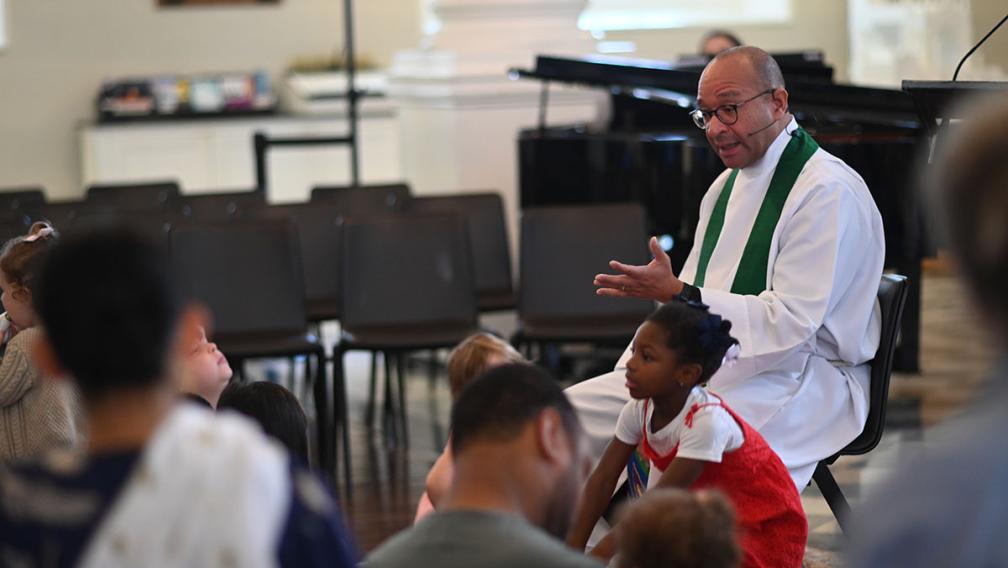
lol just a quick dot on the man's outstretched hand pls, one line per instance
(655, 281)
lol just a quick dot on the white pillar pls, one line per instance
(459, 112)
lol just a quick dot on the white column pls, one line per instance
(459, 112)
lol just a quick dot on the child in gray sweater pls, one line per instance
(36, 414)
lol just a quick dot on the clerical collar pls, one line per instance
(768, 162)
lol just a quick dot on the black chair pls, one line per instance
(12, 225)
(370, 198)
(139, 196)
(152, 225)
(562, 249)
(320, 229)
(408, 285)
(892, 296)
(249, 275)
(484, 215)
(221, 207)
(21, 199)
(60, 214)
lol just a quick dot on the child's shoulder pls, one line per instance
(25, 339)
(703, 403)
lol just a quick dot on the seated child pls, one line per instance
(36, 413)
(469, 359)
(205, 370)
(672, 527)
(161, 483)
(275, 408)
(690, 439)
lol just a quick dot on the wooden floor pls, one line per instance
(388, 477)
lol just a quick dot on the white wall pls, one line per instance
(58, 51)
(816, 24)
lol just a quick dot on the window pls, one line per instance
(3, 24)
(606, 15)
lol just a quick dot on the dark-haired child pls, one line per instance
(36, 414)
(275, 408)
(690, 439)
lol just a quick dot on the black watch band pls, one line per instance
(690, 293)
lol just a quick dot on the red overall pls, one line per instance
(771, 522)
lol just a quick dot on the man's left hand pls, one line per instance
(654, 281)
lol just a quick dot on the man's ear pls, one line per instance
(551, 436)
(780, 98)
(45, 359)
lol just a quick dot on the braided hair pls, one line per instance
(695, 334)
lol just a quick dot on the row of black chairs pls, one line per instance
(401, 273)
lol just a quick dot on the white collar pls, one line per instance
(768, 163)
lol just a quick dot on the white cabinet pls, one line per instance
(213, 155)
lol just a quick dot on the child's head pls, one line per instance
(674, 527)
(275, 408)
(678, 346)
(110, 312)
(476, 354)
(206, 371)
(20, 260)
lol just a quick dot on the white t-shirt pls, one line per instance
(713, 432)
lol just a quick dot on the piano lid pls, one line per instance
(832, 102)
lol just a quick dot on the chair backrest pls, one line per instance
(484, 216)
(892, 296)
(221, 207)
(22, 199)
(60, 214)
(563, 248)
(366, 199)
(407, 270)
(152, 225)
(13, 224)
(247, 273)
(138, 196)
(320, 230)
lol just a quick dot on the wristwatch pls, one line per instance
(690, 294)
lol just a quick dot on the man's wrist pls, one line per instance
(690, 293)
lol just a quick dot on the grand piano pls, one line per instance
(649, 151)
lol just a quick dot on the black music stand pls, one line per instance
(935, 100)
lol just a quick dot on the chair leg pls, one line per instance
(322, 425)
(432, 371)
(372, 388)
(388, 404)
(340, 410)
(834, 497)
(401, 376)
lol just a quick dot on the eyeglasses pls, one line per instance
(727, 114)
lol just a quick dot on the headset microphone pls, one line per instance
(755, 132)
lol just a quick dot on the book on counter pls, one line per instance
(186, 96)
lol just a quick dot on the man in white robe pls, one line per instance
(809, 330)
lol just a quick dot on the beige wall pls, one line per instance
(817, 24)
(59, 51)
(987, 13)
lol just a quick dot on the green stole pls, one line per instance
(750, 278)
